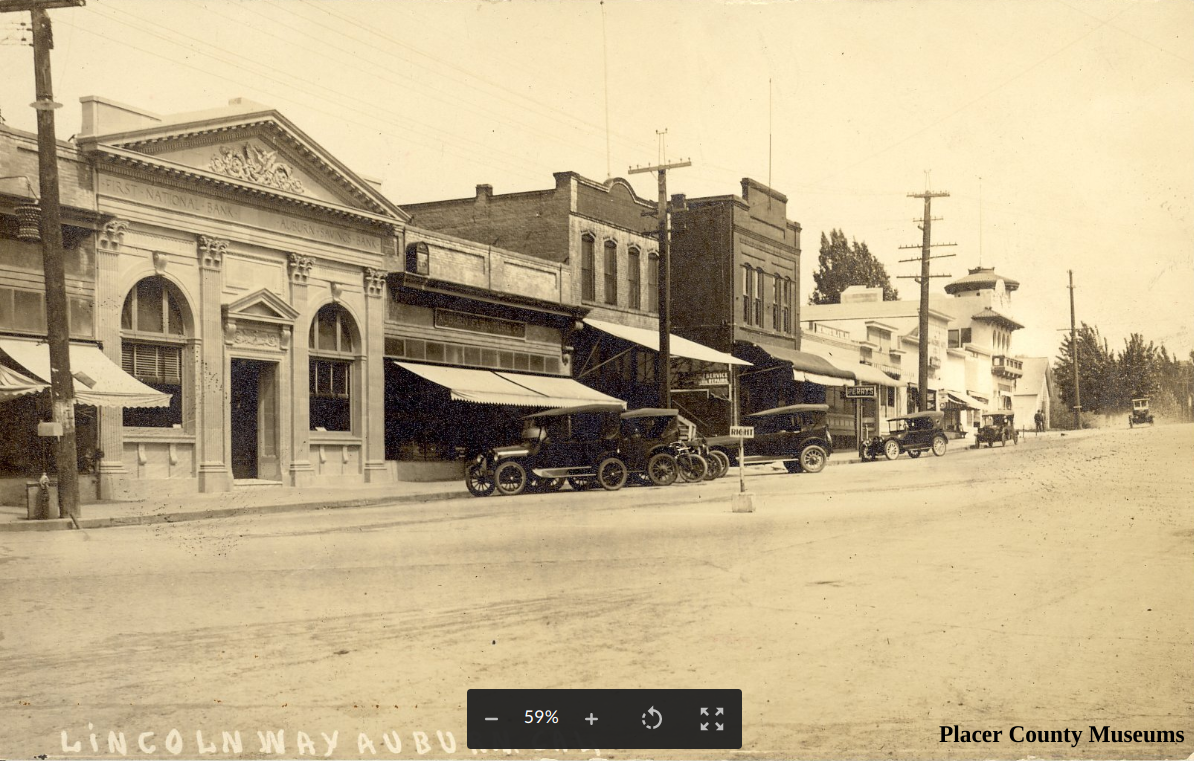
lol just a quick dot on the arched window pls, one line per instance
(588, 267)
(333, 353)
(634, 278)
(653, 282)
(611, 272)
(418, 259)
(152, 339)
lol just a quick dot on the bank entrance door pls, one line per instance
(254, 419)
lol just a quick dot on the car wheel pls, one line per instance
(478, 480)
(939, 445)
(1003, 440)
(511, 478)
(792, 466)
(662, 469)
(914, 453)
(891, 449)
(723, 462)
(813, 459)
(611, 474)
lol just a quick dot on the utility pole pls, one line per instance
(1074, 347)
(663, 359)
(62, 391)
(926, 225)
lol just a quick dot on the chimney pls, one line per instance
(484, 193)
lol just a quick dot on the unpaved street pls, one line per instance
(1048, 585)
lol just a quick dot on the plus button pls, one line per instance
(591, 718)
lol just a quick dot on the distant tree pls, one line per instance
(1096, 371)
(1138, 371)
(841, 265)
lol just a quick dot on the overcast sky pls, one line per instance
(1072, 120)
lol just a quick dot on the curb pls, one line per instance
(64, 524)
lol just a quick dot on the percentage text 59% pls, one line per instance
(542, 717)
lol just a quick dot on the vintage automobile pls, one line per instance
(914, 433)
(796, 435)
(996, 426)
(584, 446)
(1140, 413)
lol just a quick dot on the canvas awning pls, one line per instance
(98, 380)
(515, 389)
(13, 384)
(679, 347)
(870, 375)
(809, 367)
(962, 399)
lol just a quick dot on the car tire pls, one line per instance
(939, 446)
(891, 449)
(914, 453)
(662, 469)
(813, 458)
(510, 478)
(611, 474)
(692, 466)
(478, 480)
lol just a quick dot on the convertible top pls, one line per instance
(596, 407)
(789, 409)
(929, 415)
(649, 412)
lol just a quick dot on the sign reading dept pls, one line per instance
(212, 208)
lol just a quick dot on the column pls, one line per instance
(108, 304)
(374, 403)
(300, 472)
(212, 401)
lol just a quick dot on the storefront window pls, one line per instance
(151, 349)
(332, 358)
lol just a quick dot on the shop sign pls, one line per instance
(860, 392)
(475, 323)
(702, 379)
(742, 431)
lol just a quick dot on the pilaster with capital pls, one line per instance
(214, 473)
(112, 472)
(374, 429)
(300, 471)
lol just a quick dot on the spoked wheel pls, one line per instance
(478, 479)
(611, 474)
(813, 459)
(939, 445)
(511, 478)
(914, 453)
(891, 449)
(1003, 440)
(662, 469)
(722, 461)
(693, 467)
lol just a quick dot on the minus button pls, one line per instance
(491, 718)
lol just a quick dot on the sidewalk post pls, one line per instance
(743, 501)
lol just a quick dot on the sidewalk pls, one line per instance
(253, 500)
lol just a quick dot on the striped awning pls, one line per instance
(13, 384)
(98, 380)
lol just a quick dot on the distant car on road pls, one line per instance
(915, 433)
(1140, 413)
(796, 435)
(997, 427)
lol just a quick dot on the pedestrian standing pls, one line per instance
(1039, 419)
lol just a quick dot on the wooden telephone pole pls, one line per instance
(62, 391)
(1074, 347)
(663, 359)
(926, 225)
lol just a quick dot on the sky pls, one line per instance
(1063, 130)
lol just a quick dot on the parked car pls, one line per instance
(914, 433)
(577, 444)
(996, 426)
(796, 435)
(1140, 413)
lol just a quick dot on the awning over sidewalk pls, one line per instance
(962, 399)
(870, 375)
(679, 347)
(98, 380)
(809, 367)
(13, 384)
(515, 389)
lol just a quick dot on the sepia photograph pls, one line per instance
(596, 379)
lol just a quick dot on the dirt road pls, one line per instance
(1048, 585)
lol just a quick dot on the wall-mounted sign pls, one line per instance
(701, 379)
(860, 392)
(475, 323)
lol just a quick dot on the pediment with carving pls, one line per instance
(260, 321)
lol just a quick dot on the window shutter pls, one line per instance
(126, 358)
(171, 364)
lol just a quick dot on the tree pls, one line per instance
(841, 265)
(1096, 371)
